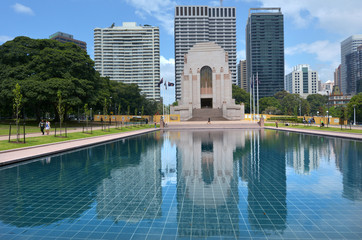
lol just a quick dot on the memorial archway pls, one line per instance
(206, 87)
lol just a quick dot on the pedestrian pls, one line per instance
(209, 121)
(276, 124)
(322, 123)
(42, 126)
(146, 120)
(47, 127)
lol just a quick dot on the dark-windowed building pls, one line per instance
(65, 38)
(265, 50)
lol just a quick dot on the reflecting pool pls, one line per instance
(233, 184)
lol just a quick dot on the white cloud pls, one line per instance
(241, 55)
(5, 39)
(325, 51)
(162, 10)
(19, 8)
(214, 3)
(342, 17)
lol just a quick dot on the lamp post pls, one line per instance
(327, 118)
(91, 114)
(354, 114)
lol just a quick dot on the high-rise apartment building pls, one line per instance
(349, 65)
(65, 38)
(242, 75)
(302, 80)
(337, 76)
(194, 24)
(265, 49)
(130, 54)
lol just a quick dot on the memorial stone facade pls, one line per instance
(206, 83)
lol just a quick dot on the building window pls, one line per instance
(181, 13)
(176, 11)
(202, 11)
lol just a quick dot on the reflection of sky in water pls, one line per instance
(236, 184)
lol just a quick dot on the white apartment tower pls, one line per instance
(302, 80)
(130, 54)
(194, 24)
(348, 46)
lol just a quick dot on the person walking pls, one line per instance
(208, 121)
(47, 127)
(42, 126)
(276, 124)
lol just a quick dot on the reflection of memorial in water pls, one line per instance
(266, 176)
(134, 192)
(207, 192)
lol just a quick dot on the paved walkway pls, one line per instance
(356, 136)
(21, 154)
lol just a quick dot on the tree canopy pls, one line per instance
(42, 67)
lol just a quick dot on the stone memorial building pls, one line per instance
(206, 90)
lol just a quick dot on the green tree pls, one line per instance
(317, 103)
(60, 109)
(267, 102)
(136, 111)
(18, 97)
(241, 96)
(128, 109)
(355, 104)
(105, 106)
(119, 109)
(42, 67)
(142, 110)
(86, 113)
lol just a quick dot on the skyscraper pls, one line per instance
(194, 24)
(242, 75)
(337, 76)
(302, 80)
(130, 54)
(65, 38)
(348, 64)
(265, 49)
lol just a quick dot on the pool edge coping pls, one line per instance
(21, 159)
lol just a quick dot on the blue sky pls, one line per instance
(313, 29)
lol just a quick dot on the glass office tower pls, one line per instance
(265, 49)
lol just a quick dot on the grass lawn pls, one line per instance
(4, 129)
(331, 129)
(33, 141)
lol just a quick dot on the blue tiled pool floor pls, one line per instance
(189, 185)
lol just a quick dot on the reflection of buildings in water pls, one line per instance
(267, 209)
(348, 160)
(133, 193)
(306, 152)
(207, 183)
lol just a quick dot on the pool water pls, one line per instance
(232, 184)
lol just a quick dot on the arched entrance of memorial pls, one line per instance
(206, 87)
